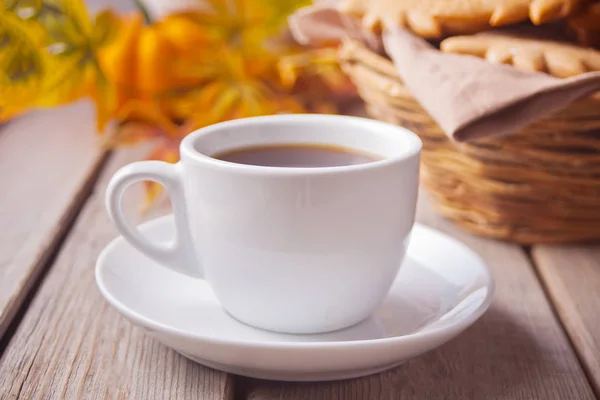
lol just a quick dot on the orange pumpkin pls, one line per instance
(142, 61)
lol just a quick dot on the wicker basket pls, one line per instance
(540, 185)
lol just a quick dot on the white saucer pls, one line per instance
(442, 288)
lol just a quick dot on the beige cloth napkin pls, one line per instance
(468, 97)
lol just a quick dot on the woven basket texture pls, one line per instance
(539, 185)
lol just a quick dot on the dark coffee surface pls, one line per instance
(297, 155)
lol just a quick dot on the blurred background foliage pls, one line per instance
(159, 79)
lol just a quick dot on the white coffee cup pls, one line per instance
(294, 250)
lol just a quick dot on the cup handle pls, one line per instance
(179, 255)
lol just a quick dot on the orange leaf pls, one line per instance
(154, 72)
(118, 59)
(183, 33)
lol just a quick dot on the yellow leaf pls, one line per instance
(239, 24)
(73, 40)
(22, 64)
(67, 17)
(65, 82)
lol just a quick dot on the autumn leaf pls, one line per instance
(235, 84)
(232, 23)
(22, 66)
(73, 42)
(186, 35)
(241, 24)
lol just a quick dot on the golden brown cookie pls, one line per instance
(436, 18)
(586, 25)
(559, 59)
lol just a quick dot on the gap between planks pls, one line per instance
(48, 162)
(570, 275)
(72, 344)
(61, 142)
(29, 289)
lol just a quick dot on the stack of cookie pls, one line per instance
(553, 36)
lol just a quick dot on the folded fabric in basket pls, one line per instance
(468, 97)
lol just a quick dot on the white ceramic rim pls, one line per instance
(358, 344)
(391, 131)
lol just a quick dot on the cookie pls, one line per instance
(586, 25)
(560, 59)
(436, 18)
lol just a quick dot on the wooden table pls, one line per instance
(59, 339)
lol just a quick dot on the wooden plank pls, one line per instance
(47, 161)
(516, 351)
(572, 278)
(72, 344)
